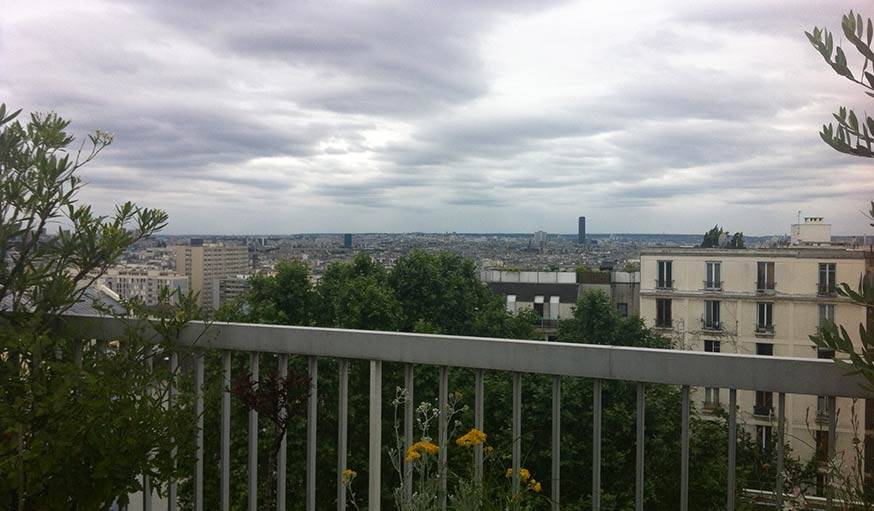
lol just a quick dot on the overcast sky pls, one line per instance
(469, 116)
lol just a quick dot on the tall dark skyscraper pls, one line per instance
(582, 232)
(347, 241)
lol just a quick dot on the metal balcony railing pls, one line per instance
(766, 288)
(664, 284)
(763, 410)
(598, 363)
(713, 285)
(711, 326)
(826, 289)
(766, 330)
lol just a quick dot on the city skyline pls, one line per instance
(664, 117)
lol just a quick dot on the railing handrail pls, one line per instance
(676, 367)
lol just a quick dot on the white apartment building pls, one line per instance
(206, 264)
(764, 302)
(144, 284)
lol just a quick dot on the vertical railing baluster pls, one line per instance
(517, 430)
(684, 460)
(596, 445)
(312, 417)
(781, 433)
(171, 399)
(253, 440)
(832, 428)
(147, 483)
(282, 455)
(730, 487)
(409, 411)
(374, 482)
(147, 494)
(198, 410)
(479, 420)
(639, 447)
(225, 499)
(556, 443)
(342, 432)
(443, 429)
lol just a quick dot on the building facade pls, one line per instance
(230, 289)
(764, 302)
(207, 264)
(144, 284)
(553, 295)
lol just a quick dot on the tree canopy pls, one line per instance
(717, 237)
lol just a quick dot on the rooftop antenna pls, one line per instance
(799, 216)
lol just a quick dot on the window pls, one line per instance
(663, 312)
(765, 317)
(826, 314)
(764, 404)
(714, 275)
(553, 307)
(765, 279)
(765, 349)
(822, 414)
(822, 446)
(820, 484)
(822, 411)
(538, 305)
(763, 437)
(711, 315)
(824, 353)
(711, 394)
(623, 309)
(827, 278)
(666, 279)
(511, 303)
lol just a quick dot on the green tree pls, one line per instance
(285, 298)
(737, 241)
(442, 293)
(357, 295)
(595, 320)
(78, 424)
(712, 238)
(855, 133)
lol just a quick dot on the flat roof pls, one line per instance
(794, 252)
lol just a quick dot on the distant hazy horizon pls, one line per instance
(518, 234)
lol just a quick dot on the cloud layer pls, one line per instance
(279, 117)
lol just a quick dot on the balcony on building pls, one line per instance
(713, 285)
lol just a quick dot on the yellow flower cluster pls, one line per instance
(471, 438)
(417, 449)
(525, 477)
(349, 475)
(524, 474)
(534, 485)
